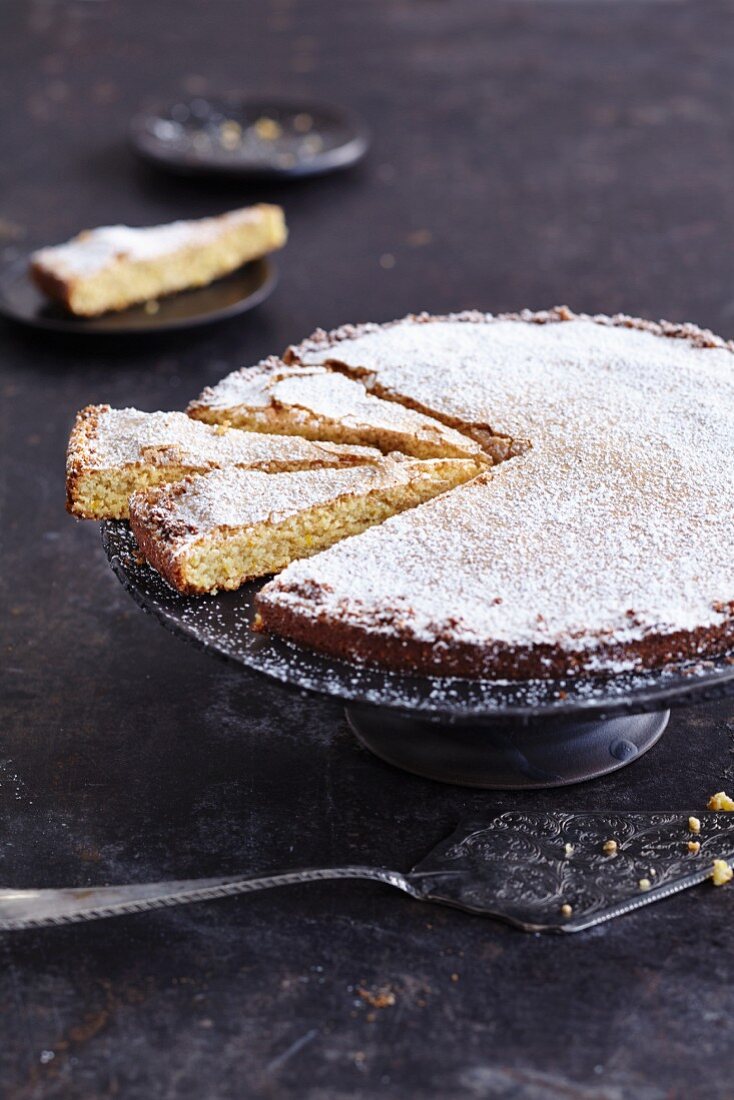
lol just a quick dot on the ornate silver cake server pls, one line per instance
(543, 872)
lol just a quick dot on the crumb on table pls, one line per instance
(721, 801)
(721, 873)
(377, 998)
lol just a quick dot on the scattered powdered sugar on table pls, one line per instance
(616, 523)
(95, 249)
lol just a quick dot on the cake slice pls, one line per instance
(113, 452)
(317, 403)
(114, 267)
(219, 530)
(443, 389)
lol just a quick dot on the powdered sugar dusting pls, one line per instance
(248, 386)
(93, 250)
(326, 395)
(231, 497)
(127, 436)
(616, 524)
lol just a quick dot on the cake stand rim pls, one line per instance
(688, 689)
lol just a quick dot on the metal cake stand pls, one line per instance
(479, 733)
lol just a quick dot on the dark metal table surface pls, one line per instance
(523, 154)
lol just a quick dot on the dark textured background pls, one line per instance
(524, 154)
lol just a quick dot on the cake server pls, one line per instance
(542, 872)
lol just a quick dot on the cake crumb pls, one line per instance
(230, 134)
(721, 873)
(694, 846)
(644, 884)
(694, 825)
(420, 237)
(378, 998)
(610, 847)
(568, 850)
(566, 910)
(721, 801)
(267, 129)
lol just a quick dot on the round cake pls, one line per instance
(602, 543)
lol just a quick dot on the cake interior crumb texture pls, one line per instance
(115, 452)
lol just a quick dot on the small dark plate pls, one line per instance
(20, 300)
(249, 137)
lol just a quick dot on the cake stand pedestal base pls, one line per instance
(548, 753)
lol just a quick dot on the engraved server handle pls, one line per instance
(37, 908)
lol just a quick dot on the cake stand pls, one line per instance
(479, 733)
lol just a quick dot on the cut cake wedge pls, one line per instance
(317, 403)
(116, 266)
(219, 530)
(113, 452)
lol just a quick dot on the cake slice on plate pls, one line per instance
(317, 403)
(219, 530)
(113, 452)
(115, 266)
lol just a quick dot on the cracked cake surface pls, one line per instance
(606, 544)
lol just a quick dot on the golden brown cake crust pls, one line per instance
(77, 455)
(446, 656)
(157, 541)
(698, 337)
(53, 286)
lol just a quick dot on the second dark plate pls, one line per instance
(243, 137)
(236, 293)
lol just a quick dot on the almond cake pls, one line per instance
(115, 266)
